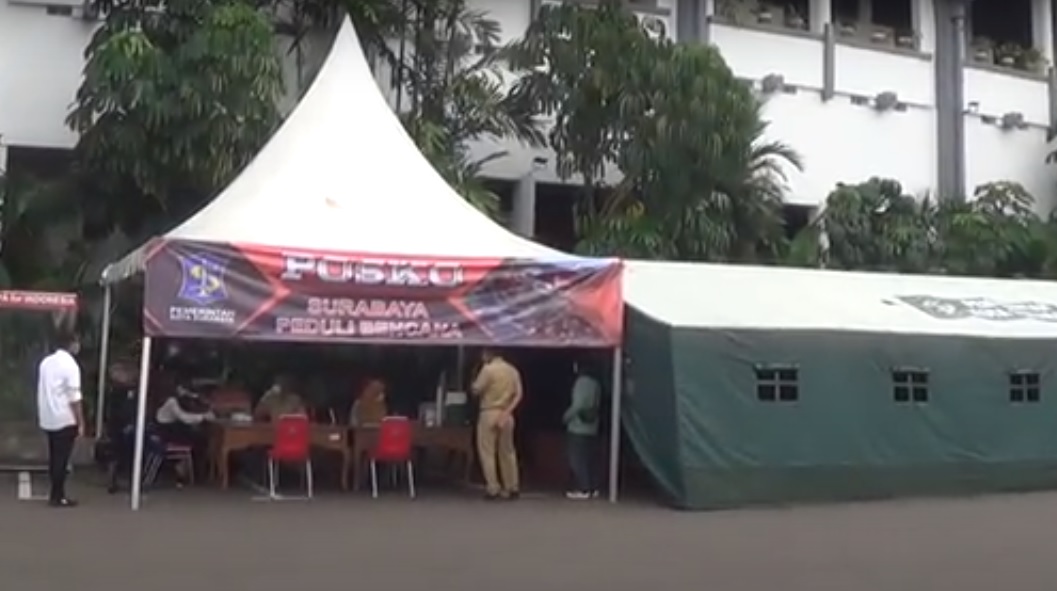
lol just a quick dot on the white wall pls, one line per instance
(993, 153)
(41, 61)
(840, 141)
(40, 70)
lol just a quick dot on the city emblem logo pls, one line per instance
(202, 279)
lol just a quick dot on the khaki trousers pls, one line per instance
(496, 442)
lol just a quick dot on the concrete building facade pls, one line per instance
(937, 94)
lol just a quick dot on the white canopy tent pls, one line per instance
(340, 175)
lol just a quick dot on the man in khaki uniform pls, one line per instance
(498, 386)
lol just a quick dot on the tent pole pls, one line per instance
(614, 425)
(104, 354)
(460, 371)
(141, 424)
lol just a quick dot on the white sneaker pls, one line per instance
(577, 496)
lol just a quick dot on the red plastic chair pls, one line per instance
(395, 445)
(292, 444)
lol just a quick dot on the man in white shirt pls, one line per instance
(60, 413)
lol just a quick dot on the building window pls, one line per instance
(1001, 33)
(1024, 387)
(910, 386)
(883, 24)
(777, 383)
(775, 14)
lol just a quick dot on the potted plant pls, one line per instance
(727, 10)
(1031, 60)
(765, 14)
(1007, 55)
(907, 39)
(983, 50)
(793, 20)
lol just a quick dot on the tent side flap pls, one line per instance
(649, 407)
(859, 415)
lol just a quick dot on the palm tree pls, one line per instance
(454, 77)
(756, 186)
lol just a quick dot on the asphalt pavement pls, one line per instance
(204, 541)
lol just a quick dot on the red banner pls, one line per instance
(38, 300)
(207, 290)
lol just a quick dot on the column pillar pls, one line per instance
(690, 18)
(1042, 28)
(924, 23)
(708, 11)
(865, 13)
(3, 173)
(523, 214)
(820, 13)
(949, 59)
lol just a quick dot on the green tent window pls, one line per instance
(777, 383)
(1024, 387)
(910, 386)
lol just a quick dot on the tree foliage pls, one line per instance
(177, 96)
(699, 179)
(449, 72)
(875, 226)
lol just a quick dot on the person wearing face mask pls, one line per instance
(60, 412)
(281, 399)
(499, 391)
(581, 426)
(180, 419)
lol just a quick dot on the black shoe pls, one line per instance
(63, 503)
(512, 496)
(491, 497)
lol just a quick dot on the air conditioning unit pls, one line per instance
(656, 27)
(772, 83)
(885, 101)
(1012, 120)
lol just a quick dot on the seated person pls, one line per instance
(178, 419)
(281, 399)
(370, 406)
(180, 415)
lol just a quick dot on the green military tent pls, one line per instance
(771, 385)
